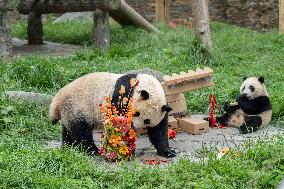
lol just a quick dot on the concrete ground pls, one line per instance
(20, 48)
(190, 145)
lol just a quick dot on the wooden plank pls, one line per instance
(167, 11)
(187, 86)
(281, 16)
(190, 75)
(101, 35)
(163, 10)
(160, 10)
(62, 6)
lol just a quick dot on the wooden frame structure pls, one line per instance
(117, 9)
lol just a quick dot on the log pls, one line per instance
(62, 6)
(101, 36)
(35, 30)
(201, 23)
(5, 37)
(281, 16)
(30, 97)
(125, 15)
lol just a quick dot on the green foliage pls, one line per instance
(25, 162)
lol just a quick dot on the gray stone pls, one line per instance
(71, 16)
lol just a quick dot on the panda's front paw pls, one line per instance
(167, 153)
(227, 107)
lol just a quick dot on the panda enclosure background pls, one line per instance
(26, 162)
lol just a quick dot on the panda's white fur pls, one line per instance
(151, 108)
(252, 88)
(260, 89)
(81, 97)
(76, 105)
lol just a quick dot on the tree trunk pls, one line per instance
(62, 6)
(35, 31)
(101, 36)
(5, 37)
(201, 22)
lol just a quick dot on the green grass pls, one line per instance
(25, 162)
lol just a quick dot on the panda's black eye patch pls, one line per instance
(137, 114)
(243, 88)
(144, 94)
(252, 88)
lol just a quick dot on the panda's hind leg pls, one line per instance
(252, 124)
(80, 135)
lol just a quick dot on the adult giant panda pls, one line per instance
(253, 109)
(76, 105)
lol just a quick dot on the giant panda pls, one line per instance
(252, 109)
(76, 105)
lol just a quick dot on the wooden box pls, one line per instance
(193, 125)
(173, 123)
(175, 97)
(177, 106)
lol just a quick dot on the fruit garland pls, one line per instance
(119, 136)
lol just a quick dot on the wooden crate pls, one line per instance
(173, 123)
(193, 125)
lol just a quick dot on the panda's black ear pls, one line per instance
(261, 79)
(144, 94)
(244, 78)
(166, 108)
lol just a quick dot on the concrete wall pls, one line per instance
(256, 14)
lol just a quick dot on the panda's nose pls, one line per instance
(147, 121)
(244, 94)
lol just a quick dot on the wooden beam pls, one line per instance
(35, 30)
(163, 10)
(101, 36)
(201, 23)
(281, 16)
(5, 37)
(126, 15)
(62, 6)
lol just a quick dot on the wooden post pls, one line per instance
(5, 37)
(101, 36)
(35, 31)
(201, 23)
(163, 11)
(281, 16)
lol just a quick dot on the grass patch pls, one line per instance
(24, 128)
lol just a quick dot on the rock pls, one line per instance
(71, 16)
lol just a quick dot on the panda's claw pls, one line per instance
(168, 154)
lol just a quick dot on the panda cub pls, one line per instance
(253, 109)
(76, 105)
